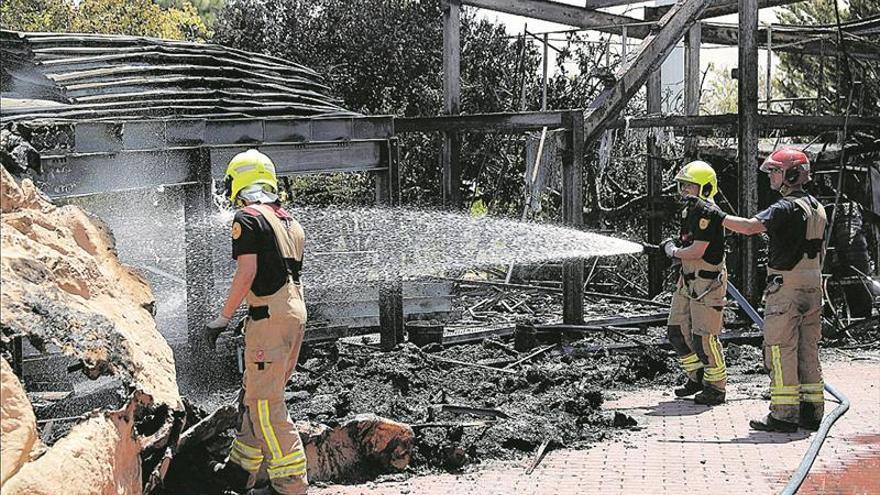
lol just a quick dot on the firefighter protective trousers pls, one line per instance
(792, 329)
(695, 321)
(273, 337)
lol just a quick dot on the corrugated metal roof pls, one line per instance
(102, 77)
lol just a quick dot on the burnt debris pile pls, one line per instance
(472, 402)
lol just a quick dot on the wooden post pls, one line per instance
(451, 147)
(692, 81)
(199, 255)
(654, 89)
(747, 142)
(391, 316)
(573, 215)
(544, 74)
(768, 89)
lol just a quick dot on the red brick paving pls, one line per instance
(683, 448)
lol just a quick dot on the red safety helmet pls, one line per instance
(794, 163)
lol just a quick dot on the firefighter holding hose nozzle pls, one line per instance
(695, 316)
(267, 244)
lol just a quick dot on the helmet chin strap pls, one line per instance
(785, 189)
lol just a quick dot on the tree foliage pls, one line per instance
(128, 17)
(207, 9)
(808, 75)
(384, 57)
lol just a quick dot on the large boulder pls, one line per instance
(100, 456)
(17, 423)
(63, 283)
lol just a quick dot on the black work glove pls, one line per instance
(710, 210)
(214, 329)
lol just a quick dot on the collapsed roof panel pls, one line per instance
(94, 76)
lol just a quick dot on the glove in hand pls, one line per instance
(669, 248)
(214, 329)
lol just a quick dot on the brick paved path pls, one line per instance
(684, 449)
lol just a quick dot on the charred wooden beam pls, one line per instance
(801, 39)
(451, 147)
(573, 215)
(631, 76)
(485, 122)
(716, 7)
(654, 213)
(692, 81)
(587, 18)
(727, 123)
(747, 143)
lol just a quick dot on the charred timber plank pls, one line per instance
(692, 81)
(649, 57)
(588, 18)
(610, 23)
(807, 124)
(747, 144)
(736, 337)
(716, 7)
(450, 152)
(473, 411)
(222, 419)
(654, 213)
(561, 13)
(615, 321)
(486, 122)
(796, 39)
(539, 288)
(478, 336)
(468, 364)
(573, 215)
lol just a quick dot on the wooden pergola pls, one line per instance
(661, 29)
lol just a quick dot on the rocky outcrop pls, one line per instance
(100, 456)
(17, 423)
(63, 283)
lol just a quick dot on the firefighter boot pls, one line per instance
(231, 476)
(691, 387)
(710, 396)
(808, 420)
(772, 424)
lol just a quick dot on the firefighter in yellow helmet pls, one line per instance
(795, 225)
(267, 244)
(695, 317)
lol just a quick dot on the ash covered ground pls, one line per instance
(555, 397)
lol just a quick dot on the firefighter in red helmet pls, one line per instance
(795, 225)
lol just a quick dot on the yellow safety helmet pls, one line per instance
(249, 168)
(702, 174)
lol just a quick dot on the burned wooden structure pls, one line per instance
(660, 30)
(172, 113)
(116, 113)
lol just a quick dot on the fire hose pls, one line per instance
(843, 405)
